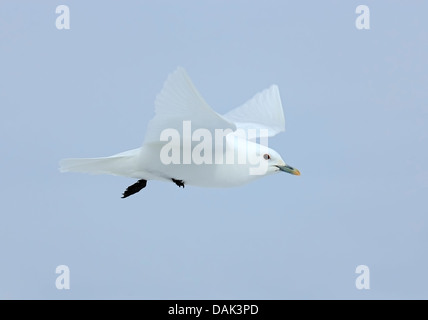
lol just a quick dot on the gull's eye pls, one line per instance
(266, 156)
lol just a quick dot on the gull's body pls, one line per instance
(179, 101)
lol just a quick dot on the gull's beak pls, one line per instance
(289, 169)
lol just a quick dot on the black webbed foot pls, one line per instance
(179, 183)
(140, 184)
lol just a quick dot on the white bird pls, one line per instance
(188, 143)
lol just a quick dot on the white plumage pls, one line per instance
(180, 102)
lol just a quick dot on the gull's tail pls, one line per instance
(122, 164)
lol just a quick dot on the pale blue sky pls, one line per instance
(356, 108)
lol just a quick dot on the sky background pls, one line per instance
(356, 109)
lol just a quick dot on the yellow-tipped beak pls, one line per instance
(289, 169)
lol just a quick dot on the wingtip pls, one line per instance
(178, 70)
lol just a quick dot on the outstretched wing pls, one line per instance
(263, 111)
(180, 101)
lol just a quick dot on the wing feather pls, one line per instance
(263, 111)
(180, 101)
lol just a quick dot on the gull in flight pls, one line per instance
(188, 143)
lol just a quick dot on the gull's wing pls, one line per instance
(180, 101)
(263, 111)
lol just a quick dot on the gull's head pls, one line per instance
(274, 162)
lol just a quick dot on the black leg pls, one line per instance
(134, 188)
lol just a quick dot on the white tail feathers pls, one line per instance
(122, 164)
